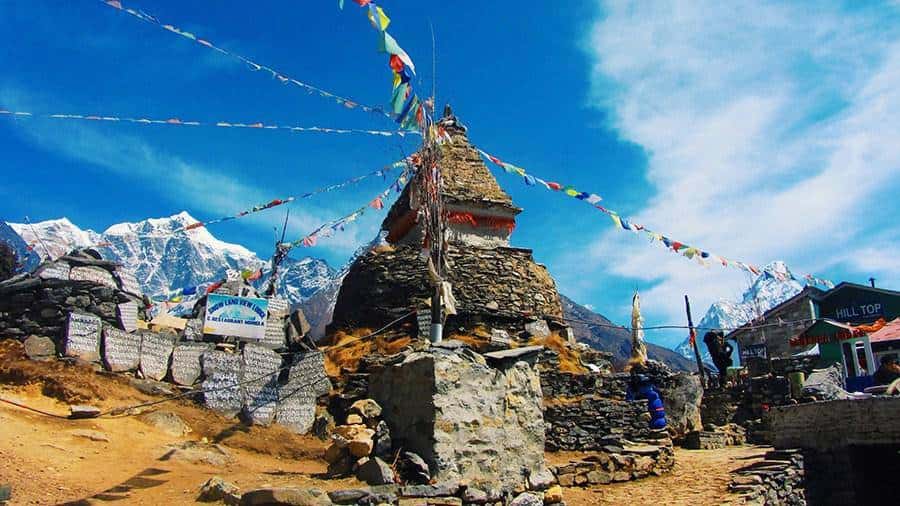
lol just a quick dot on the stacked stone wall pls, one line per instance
(777, 480)
(495, 288)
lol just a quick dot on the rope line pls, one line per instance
(281, 77)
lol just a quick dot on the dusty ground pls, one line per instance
(700, 477)
(50, 461)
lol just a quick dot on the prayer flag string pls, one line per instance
(329, 229)
(408, 110)
(280, 76)
(277, 202)
(691, 252)
(190, 123)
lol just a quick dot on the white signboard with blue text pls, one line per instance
(227, 315)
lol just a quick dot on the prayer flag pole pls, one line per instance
(693, 340)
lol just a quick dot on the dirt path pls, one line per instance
(49, 461)
(700, 478)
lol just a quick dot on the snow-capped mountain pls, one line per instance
(772, 287)
(162, 260)
(26, 258)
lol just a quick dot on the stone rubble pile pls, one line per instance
(617, 463)
(716, 437)
(777, 480)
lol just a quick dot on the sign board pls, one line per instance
(93, 274)
(156, 349)
(423, 316)
(186, 367)
(128, 313)
(235, 316)
(121, 350)
(128, 282)
(753, 351)
(857, 312)
(261, 370)
(83, 336)
(221, 387)
(55, 270)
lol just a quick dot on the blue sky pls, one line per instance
(757, 131)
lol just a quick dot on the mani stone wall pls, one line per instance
(493, 287)
(469, 421)
(39, 304)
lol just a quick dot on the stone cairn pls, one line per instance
(82, 308)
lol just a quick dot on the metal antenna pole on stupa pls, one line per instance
(281, 251)
(435, 220)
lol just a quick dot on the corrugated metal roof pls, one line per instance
(890, 332)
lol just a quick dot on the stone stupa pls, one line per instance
(496, 286)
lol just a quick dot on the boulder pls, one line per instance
(197, 452)
(527, 499)
(348, 496)
(375, 472)
(40, 348)
(286, 496)
(354, 419)
(553, 494)
(383, 443)
(335, 452)
(217, 489)
(362, 444)
(413, 468)
(167, 422)
(368, 409)
(538, 328)
(682, 396)
(825, 384)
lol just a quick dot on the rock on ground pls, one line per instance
(167, 422)
(217, 489)
(287, 496)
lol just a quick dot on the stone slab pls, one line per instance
(83, 336)
(156, 350)
(93, 274)
(128, 283)
(55, 270)
(128, 315)
(223, 373)
(121, 350)
(261, 370)
(186, 368)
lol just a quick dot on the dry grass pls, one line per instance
(569, 358)
(347, 349)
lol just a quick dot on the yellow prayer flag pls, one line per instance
(384, 21)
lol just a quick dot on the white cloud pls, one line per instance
(770, 130)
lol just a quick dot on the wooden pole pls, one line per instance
(693, 338)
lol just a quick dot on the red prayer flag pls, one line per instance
(693, 338)
(363, 3)
(555, 186)
(396, 63)
(676, 246)
(192, 226)
(377, 203)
